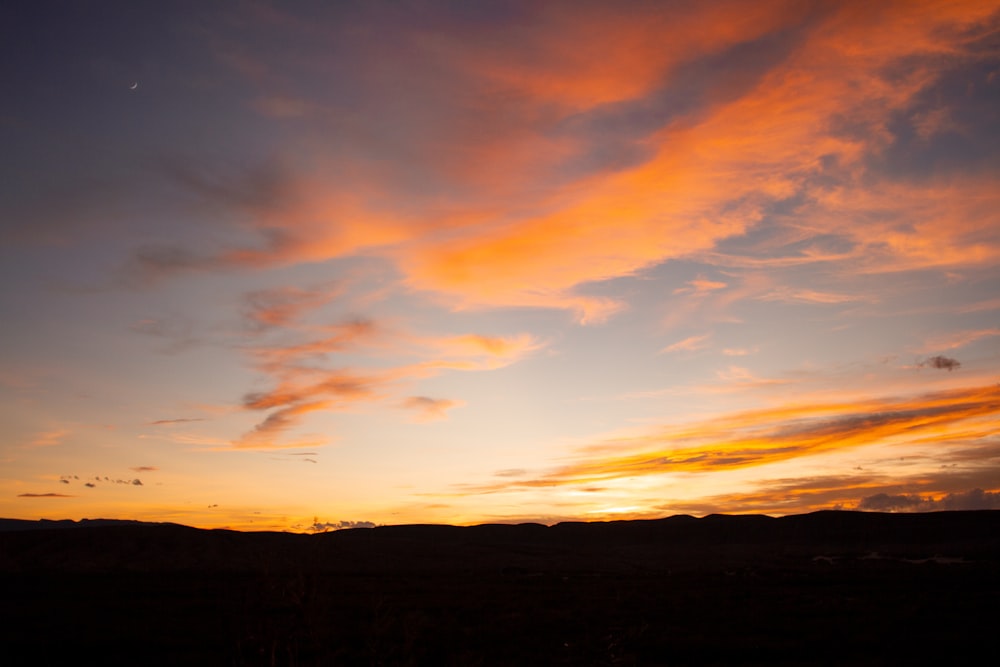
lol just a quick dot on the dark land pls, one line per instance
(829, 588)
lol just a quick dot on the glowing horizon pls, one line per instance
(468, 263)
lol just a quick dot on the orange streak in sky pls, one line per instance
(762, 437)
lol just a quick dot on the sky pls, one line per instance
(310, 265)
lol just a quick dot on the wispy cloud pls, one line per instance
(510, 472)
(430, 409)
(792, 295)
(716, 167)
(175, 333)
(957, 339)
(284, 305)
(171, 422)
(44, 495)
(303, 382)
(764, 437)
(295, 397)
(332, 339)
(979, 306)
(770, 127)
(49, 438)
(739, 376)
(620, 155)
(689, 344)
(478, 352)
(700, 286)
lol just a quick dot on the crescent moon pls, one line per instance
(134, 86)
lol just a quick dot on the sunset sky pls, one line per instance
(303, 265)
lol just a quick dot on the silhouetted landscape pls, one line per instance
(822, 588)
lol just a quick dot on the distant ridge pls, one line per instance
(57, 524)
(113, 545)
(827, 588)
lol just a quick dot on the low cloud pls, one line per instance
(323, 527)
(144, 469)
(975, 499)
(44, 495)
(941, 362)
(92, 482)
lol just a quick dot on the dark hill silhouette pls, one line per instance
(822, 588)
(98, 545)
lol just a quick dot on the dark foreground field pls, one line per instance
(831, 588)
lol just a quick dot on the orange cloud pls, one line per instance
(339, 338)
(520, 215)
(265, 434)
(862, 490)
(475, 351)
(792, 295)
(582, 57)
(303, 383)
(505, 197)
(710, 176)
(901, 226)
(763, 437)
(282, 306)
(49, 438)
